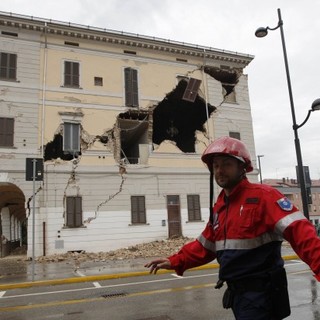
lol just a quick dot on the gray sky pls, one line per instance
(229, 25)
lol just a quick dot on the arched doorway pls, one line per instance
(12, 216)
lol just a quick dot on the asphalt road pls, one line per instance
(153, 297)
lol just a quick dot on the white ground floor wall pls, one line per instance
(106, 208)
(109, 231)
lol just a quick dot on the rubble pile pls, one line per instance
(161, 248)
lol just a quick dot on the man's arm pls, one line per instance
(304, 240)
(192, 254)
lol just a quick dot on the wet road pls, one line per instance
(160, 297)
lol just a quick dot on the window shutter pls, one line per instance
(134, 80)
(131, 87)
(74, 212)
(3, 65)
(6, 132)
(142, 210)
(127, 86)
(12, 66)
(134, 210)
(8, 66)
(9, 132)
(194, 210)
(78, 211)
(138, 210)
(75, 74)
(70, 211)
(191, 91)
(196, 207)
(190, 208)
(67, 73)
(71, 74)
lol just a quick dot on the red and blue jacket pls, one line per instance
(245, 234)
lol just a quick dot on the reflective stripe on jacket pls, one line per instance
(247, 232)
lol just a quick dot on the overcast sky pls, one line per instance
(229, 25)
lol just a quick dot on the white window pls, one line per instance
(71, 137)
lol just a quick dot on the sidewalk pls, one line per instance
(17, 272)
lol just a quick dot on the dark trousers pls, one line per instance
(253, 306)
(264, 298)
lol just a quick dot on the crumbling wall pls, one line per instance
(174, 119)
(178, 120)
(54, 149)
(228, 77)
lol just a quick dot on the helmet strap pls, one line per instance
(211, 197)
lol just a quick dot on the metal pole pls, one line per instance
(260, 170)
(34, 162)
(295, 129)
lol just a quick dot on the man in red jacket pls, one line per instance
(245, 231)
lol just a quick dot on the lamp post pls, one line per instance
(260, 170)
(262, 32)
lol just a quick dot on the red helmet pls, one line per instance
(227, 146)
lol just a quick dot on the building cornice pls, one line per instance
(127, 39)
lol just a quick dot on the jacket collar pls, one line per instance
(235, 192)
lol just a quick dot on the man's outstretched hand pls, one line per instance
(157, 264)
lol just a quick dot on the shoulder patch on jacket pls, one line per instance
(285, 204)
(252, 200)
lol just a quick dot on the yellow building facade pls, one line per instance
(120, 121)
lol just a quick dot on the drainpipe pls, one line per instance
(206, 93)
(44, 88)
(43, 119)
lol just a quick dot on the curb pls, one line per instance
(39, 283)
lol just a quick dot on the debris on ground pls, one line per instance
(159, 248)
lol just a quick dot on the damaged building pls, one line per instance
(120, 122)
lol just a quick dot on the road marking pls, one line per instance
(2, 293)
(299, 272)
(96, 284)
(120, 285)
(294, 262)
(94, 299)
(87, 300)
(52, 316)
(106, 287)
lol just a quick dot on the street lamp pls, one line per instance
(260, 170)
(262, 32)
